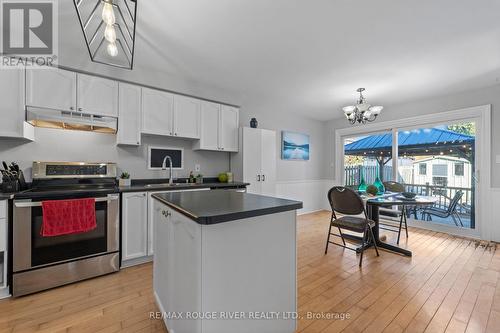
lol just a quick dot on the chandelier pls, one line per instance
(109, 30)
(362, 112)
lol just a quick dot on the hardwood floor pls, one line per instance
(450, 285)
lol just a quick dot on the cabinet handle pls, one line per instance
(175, 134)
(263, 178)
(170, 133)
(258, 178)
(80, 109)
(71, 108)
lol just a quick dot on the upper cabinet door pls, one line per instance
(209, 127)
(51, 88)
(186, 117)
(97, 95)
(129, 124)
(228, 128)
(157, 112)
(12, 110)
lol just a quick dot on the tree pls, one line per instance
(465, 128)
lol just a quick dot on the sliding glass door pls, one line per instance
(437, 160)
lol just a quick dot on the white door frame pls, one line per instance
(482, 116)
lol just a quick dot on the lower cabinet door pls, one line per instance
(134, 225)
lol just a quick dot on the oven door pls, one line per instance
(31, 250)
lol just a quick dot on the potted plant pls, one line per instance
(125, 179)
(199, 179)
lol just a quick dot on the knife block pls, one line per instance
(11, 186)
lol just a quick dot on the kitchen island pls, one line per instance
(225, 262)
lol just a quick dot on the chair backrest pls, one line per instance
(394, 187)
(345, 201)
(454, 202)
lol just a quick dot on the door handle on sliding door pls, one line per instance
(263, 178)
(258, 178)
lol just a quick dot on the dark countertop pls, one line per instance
(179, 186)
(211, 207)
(137, 186)
(6, 196)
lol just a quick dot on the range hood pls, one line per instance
(70, 120)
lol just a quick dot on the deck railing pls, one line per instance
(444, 193)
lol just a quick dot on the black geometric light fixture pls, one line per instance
(109, 30)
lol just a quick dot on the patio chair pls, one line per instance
(396, 213)
(427, 213)
(347, 202)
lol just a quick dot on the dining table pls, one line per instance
(387, 200)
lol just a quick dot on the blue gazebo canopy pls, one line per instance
(431, 141)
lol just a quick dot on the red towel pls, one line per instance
(63, 217)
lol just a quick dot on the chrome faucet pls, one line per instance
(164, 167)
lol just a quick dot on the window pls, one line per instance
(157, 154)
(459, 169)
(440, 170)
(440, 181)
(422, 169)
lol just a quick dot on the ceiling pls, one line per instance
(308, 57)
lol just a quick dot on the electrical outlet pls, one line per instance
(197, 168)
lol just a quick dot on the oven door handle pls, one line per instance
(24, 204)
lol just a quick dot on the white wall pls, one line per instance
(298, 180)
(64, 145)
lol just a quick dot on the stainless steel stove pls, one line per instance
(41, 263)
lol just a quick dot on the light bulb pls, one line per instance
(108, 15)
(110, 33)
(112, 49)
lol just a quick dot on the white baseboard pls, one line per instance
(136, 261)
(162, 310)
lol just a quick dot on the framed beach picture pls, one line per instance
(294, 146)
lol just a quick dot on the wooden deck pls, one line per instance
(450, 285)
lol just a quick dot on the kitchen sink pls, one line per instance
(169, 185)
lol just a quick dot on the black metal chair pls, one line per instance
(427, 213)
(347, 202)
(395, 213)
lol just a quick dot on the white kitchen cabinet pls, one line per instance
(12, 110)
(51, 88)
(177, 276)
(157, 112)
(228, 128)
(209, 133)
(129, 117)
(134, 225)
(219, 128)
(186, 117)
(255, 162)
(97, 96)
(138, 230)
